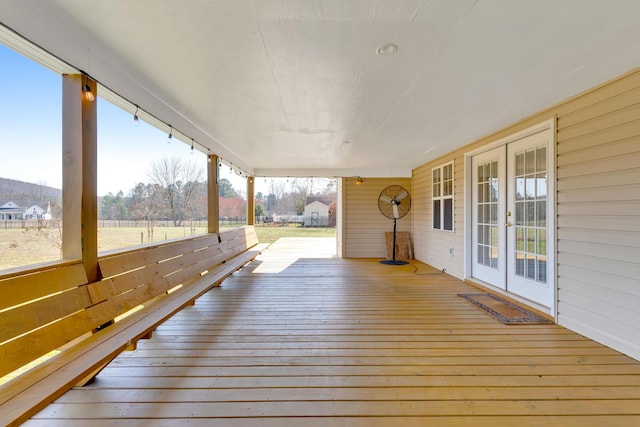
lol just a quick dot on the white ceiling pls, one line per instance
(278, 86)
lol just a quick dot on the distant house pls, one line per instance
(319, 211)
(27, 209)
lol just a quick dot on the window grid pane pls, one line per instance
(442, 197)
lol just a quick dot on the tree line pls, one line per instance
(177, 192)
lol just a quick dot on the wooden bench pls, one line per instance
(88, 324)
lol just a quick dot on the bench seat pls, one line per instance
(156, 281)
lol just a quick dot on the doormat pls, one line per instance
(505, 311)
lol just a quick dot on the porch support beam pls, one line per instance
(213, 194)
(79, 174)
(251, 199)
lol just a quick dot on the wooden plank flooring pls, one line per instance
(293, 340)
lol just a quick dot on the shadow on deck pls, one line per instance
(299, 337)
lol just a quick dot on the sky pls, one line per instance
(31, 135)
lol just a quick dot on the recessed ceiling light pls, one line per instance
(387, 49)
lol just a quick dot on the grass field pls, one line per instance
(19, 247)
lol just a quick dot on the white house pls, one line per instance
(10, 210)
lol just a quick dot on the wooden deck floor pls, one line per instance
(306, 342)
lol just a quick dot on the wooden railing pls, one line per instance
(55, 309)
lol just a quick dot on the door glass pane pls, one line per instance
(530, 161)
(519, 164)
(541, 159)
(520, 239)
(541, 186)
(519, 188)
(530, 183)
(542, 269)
(487, 208)
(541, 213)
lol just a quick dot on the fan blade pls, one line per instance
(401, 196)
(385, 198)
(396, 214)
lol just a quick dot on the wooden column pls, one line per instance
(79, 174)
(251, 201)
(213, 194)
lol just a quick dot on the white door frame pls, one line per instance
(546, 126)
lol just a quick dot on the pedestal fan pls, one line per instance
(394, 202)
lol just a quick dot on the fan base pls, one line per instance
(393, 262)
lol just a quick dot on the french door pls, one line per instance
(510, 210)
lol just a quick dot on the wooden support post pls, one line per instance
(213, 194)
(251, 200)
(79, 174)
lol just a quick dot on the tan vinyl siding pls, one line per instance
(598, 211)
(435, 245)
(364, 225)
(339, 219)
(598, 168)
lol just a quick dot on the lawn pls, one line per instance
(20, 247)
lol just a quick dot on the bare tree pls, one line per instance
(179, 179)
(146, 204)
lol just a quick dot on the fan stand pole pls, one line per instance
(393, 261)
(393, 251)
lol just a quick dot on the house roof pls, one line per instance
(297, 88)
(23, 204)
(321, 199)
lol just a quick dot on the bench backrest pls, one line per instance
(47, 309)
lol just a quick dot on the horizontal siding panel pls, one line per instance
(616, 207)
(620, 238)
(611, 120)
(620, 162)
(618, 192)
(601, 108)
(591, 311)
(609, 267)
(599, 94)
(602, 151)
(606, 281)
(596, 180)
(598, 250)
(614, 297)
(604, 136)
(611, 222)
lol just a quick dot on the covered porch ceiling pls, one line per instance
(297, 88)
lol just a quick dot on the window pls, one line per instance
(30, 162)
(151, 187)
(232, 203)
(442, 197)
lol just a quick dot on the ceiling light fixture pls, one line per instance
(358, 180)
(191, 145)
(86, 90)
(88, 95)
(387, 49)
(136, 119)
(170, 136)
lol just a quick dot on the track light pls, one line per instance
(170, 136)
(136, 119)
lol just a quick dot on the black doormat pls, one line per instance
(505, 311)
